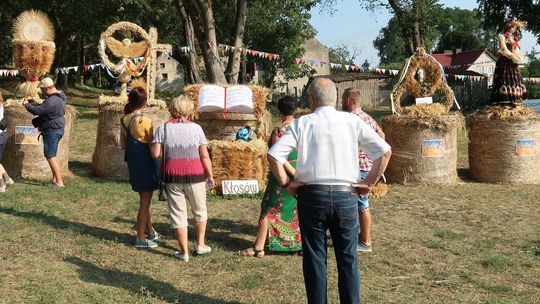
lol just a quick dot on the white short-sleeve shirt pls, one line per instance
(328, 142)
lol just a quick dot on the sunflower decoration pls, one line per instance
(33, 49)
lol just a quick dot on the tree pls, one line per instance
(416, 20)
(496, 11)
(462, 29)
(456, 29)
(344, 54)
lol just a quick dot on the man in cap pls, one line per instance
(50, 122)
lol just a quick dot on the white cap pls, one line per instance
(46, 82)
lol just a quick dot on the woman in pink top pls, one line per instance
(186, 170)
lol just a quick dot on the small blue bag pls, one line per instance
(244, 134)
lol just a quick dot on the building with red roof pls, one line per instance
(457, 62)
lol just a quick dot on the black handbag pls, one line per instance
(162, 191)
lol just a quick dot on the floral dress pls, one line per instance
(279, 208)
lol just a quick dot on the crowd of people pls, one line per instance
(322, 164)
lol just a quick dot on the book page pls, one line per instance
(211, 98)
(239, 99)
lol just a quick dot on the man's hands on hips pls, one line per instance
(363, 187)
(293, 187)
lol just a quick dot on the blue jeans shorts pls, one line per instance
(51, 138)
(363, 200)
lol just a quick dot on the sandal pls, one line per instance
(252, 252)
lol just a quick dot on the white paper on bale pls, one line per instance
(234, 99)
(424, 100)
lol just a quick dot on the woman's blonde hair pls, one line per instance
(181, 107)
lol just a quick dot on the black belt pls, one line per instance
(328, 188)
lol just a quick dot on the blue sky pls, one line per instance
(349, 24)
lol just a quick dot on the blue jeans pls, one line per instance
(319, 211)
(51, 139)
(363, 200)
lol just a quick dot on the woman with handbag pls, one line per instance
(136, 135)
(187, 172)
(5, 180)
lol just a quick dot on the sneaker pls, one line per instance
(154, 237)
(55, 185)
(3, 189)
(363, 247)
(203, 250)
(145, 244)
(181, 257)
(9, 182)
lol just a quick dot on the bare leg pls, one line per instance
(182, 238)
(258, 246)
(262, 232)
(200, 231)
(55, 168)
(143, 217)
(149, 226)
(365, 227)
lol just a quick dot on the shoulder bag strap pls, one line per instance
(163, 156)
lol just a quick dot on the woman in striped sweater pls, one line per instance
(186, 170)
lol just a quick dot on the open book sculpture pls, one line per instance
(233, 99)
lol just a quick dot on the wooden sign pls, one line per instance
(249, 186)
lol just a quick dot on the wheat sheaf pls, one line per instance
(33, 25)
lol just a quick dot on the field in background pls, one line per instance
(466, 243)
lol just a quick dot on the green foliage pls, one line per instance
(447, 29)
(390, 44)
(462, 29)
(496, 11)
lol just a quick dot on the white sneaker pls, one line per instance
(181, 257)
(3, 189)
(363, 247)
(9, 182)
(203, 250)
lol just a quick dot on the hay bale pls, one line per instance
(108, 157)
(239, 160)
(27, 161)
(217, 127)
(503, 146)
(424, 150)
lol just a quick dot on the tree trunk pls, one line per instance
(62, 60)
(201, 15)
(193, 69)
(417, 37)
(407, 37)
(233, 66)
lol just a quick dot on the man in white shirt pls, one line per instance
(326, 185)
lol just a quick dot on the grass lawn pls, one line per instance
(466, 243)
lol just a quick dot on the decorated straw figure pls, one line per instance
(508, 87)
(126, 50)
(33, 49)
(422, 76)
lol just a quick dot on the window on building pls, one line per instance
(165, 76)
(162, 65)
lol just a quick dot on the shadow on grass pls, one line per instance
(137, 283)
(81, 169)
(464, 174)
(61, 224)
(218, 231)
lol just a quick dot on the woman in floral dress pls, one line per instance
(278, 220)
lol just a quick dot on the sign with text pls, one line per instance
(249, 186)
(424, 100)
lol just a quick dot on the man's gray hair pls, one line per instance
(323, 91)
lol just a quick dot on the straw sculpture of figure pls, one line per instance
(508, 88)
